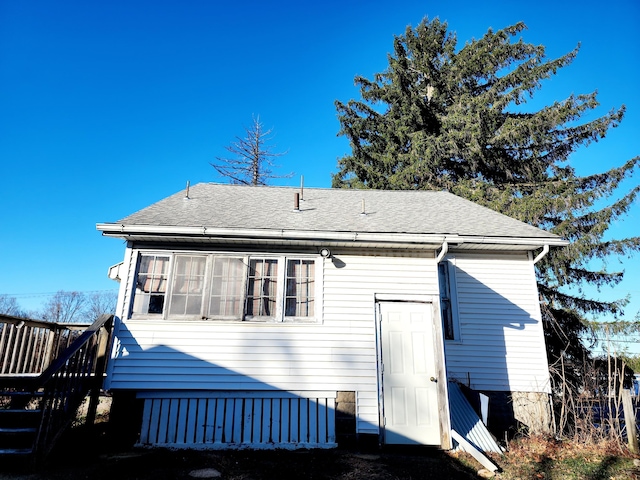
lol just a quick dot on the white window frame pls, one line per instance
(278, 317)
(171, 285)
(138, 262)
(450, 264)
(317, 290)
(208, 287)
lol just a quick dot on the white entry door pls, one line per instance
(408, 372)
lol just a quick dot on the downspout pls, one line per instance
(445, 249)
(443, 387)
(545, 250)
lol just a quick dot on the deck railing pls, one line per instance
(72, 372)
(27, 346)
(67, 381)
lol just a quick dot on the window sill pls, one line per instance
(271, 321)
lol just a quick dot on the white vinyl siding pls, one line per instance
(501, 339)
(501, 346)
(338, 354)
(349, 301)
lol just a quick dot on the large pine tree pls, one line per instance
(443, 117)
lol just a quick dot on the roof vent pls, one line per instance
(363, 211)
(296, 202)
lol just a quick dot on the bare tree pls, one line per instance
(9, 306)
(252, 160)
(66, 307)
(99, 303)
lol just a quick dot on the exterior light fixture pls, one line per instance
(325, 253)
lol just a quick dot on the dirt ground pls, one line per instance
(159, 464)
(77, 458)
(94, 454)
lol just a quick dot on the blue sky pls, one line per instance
(107, 107)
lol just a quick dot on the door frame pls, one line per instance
(433, 302)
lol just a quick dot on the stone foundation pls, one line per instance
(532, 409)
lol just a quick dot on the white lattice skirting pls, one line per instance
(232, 420)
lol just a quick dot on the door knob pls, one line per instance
(434, 379)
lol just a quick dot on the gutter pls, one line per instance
(443, 252)
(545, 250)
(132, 231)
(126, 231)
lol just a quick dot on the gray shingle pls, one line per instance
(330, 210)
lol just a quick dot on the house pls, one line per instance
(269, 316)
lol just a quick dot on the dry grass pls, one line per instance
(544, 458)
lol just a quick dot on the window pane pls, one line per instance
(300, 288)
(262, 283)
(445, 300)
(178, 303)
(188, 285)
(151, 284)
(226, 287)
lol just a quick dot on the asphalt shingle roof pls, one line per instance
(330, 210)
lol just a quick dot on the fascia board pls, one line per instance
(132, 231)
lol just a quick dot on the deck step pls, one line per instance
(20, 393)
(20, 399)
(18, 430)
(15, 451)
(18, 417)
(15, 459)
(22, 381)
(17, 438)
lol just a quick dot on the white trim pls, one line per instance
(250, 235)
(115, 271)
(432, 302)
(236, 394)
(450, 262)
(403, 297)
(545, 250)
(443, 252)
